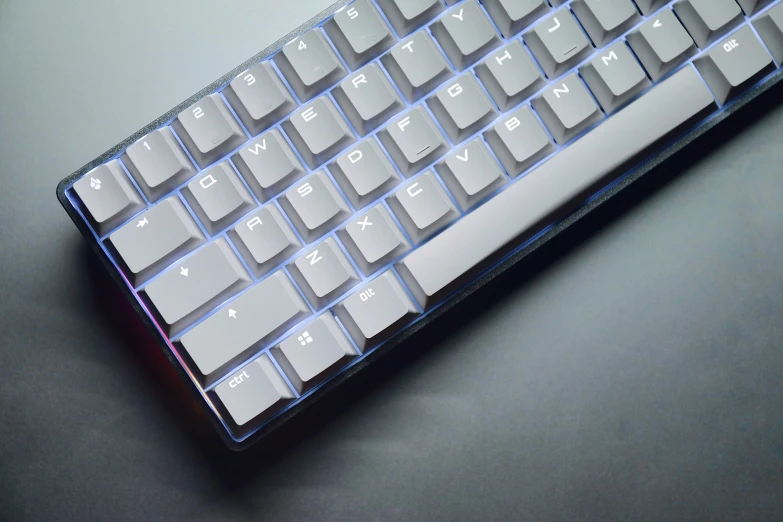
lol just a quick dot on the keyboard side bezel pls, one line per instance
(646, 165)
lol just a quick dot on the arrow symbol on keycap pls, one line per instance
(232, 313)
(183, 271)
(463, 158)
(657, 24)
(142, 223)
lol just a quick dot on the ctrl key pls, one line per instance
(253, 394)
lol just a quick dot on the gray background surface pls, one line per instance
(630, 370)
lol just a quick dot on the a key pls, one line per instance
(770, 28)
(314, 353)
(359, 33)
(373, 239)
(462, 107)
(314, 206)
(109, 196)
(422, 207)
(218, 197)
(323, 273)
(558, 43)
(364, 173)
(408, 15)
(511, 16)
(259, 98)
(519, 141)
(158, 163)
(735, 63)
(510, 75)
(661, 44)
(416, 65)
(195, 285)
(264, 240)
(465, 34)
(268, 165)
(567, 108)
(413, 140)
(243, 326)
(752, 7)
(252, 394)
(470, 173)
(309, 64)
(208, 130)
(318, 131)
(614, 77)
(157, 237)
(605, 20)
(708, 20)
(553, 190)
(376, 311)
(367, 98)
(649, 6)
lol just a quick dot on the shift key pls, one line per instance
(194, 286)
(234, 332)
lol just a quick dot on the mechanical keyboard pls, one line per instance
(312, 208)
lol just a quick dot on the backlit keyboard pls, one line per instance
(287, 223)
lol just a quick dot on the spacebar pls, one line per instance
(554, 189)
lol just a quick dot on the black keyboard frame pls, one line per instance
(408, 335)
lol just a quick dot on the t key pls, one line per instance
(309, 64)
(158, 163)
(208, 130)
(416, 65)
(558, 43)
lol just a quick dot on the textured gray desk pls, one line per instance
(633, 370)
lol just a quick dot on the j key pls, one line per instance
(318, 131)
(155, 239)
(413, 140)
(567, 108)
(259, 98)
(465, 34)
(158, 163)
(462, 107)
(218, 197)
(323, 273)
(770, 27)
(244, 325)
(519, 141)
(605, 20)
(268, 164)
(708, 20)
(649, 6)
(195, 285)
(359, 33)
(470, 173)
(314, 353)
(416, 65)
(735, 63)
(408, 15)
(309, 64)
(367, 98)
(373, 239)
(264, 239)
(364, 173)
(109, 196)
(752, 7)
(614, 77)
(511, 16)
(314, 206)
(509, 75)
(554, 189)
(376, 311)
(558, 43)
(422, 207)
(661, 44)
(253, 394)
(208, 130)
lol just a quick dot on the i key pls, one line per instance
(558, 43)
(323, 273)
(465, 34)
(373, 239)
(614, 77)
(158, 163)
(195, 285)
(359, 33)
(408, 15)
(661, 44)
(309, 64)
(109, 196)
(208, 130)
(413, 140)
(259, 98)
